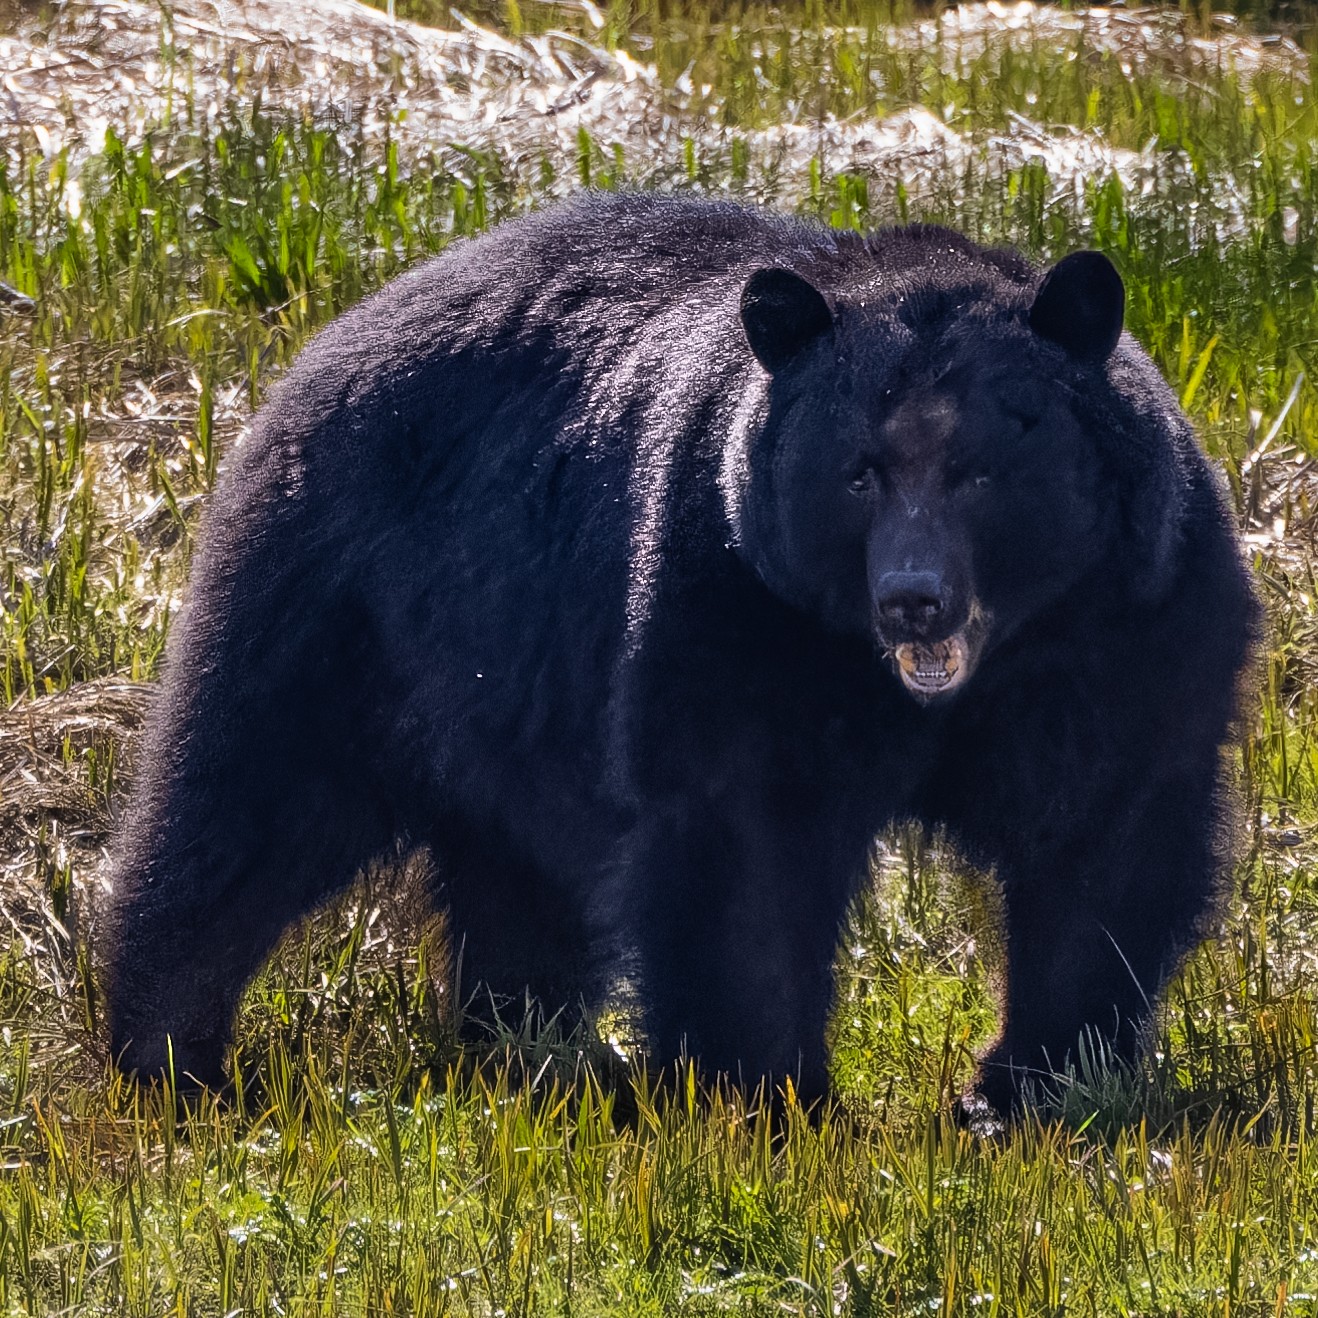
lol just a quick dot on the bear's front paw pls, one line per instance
(977, 1114)
(1002, 1092)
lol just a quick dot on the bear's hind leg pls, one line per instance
(261, 793)
(207, 883)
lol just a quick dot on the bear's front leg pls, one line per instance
(760, 756)
(737, 928)
(1095, 925)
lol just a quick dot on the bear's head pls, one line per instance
(934, 463)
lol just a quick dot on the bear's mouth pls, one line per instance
(933, 668)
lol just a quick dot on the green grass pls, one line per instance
(375, 1166)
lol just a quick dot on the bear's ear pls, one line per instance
(1080, 306)
(781, 314)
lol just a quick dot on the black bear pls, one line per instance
(643, 559)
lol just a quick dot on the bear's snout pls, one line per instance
(910, 605)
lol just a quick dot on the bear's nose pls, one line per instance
(908, 601)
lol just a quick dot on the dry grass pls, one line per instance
(133, 64)
(56, 818)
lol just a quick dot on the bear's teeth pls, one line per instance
(932, 669)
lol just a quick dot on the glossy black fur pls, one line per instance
(531, 561)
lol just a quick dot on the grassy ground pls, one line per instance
(154, 286)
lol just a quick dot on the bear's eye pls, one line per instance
(862, 481)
